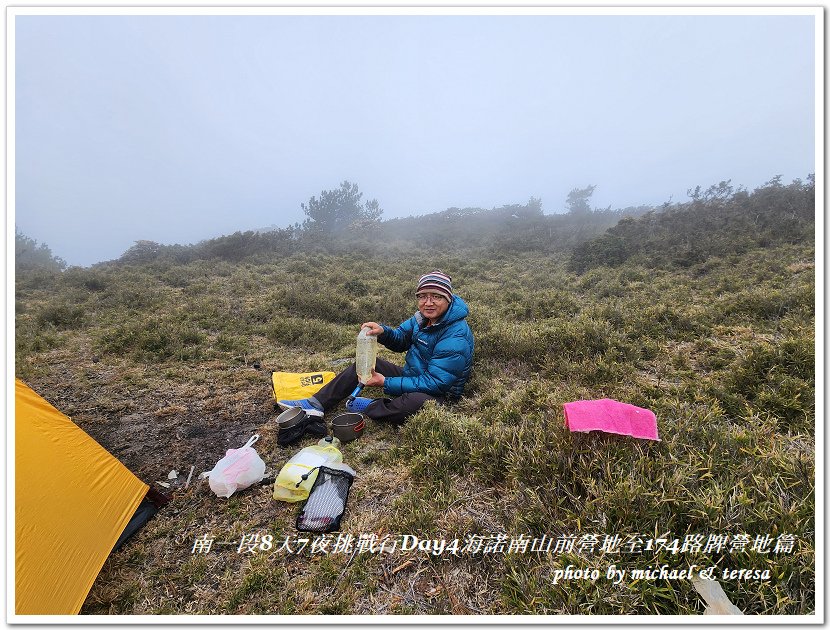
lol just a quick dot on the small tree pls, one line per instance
(28, 254)
(142, 252)
(340, 210)
(722, 191)
(578, 200)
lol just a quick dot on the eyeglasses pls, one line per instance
(435, 297)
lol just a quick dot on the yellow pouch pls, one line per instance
(294, 385)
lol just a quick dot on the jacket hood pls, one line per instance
(457, 310)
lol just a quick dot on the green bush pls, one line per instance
(313, 334)
(62, 315)
(154, 340)
(715, 223)
(774, 379)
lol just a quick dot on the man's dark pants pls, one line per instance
(390, 409)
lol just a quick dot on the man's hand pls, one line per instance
(375, 328)
(376, 380)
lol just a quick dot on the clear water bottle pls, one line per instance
(365, 354)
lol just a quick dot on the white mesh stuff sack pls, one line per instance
(238, 469)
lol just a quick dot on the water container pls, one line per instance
(365, 354)
(305, 462)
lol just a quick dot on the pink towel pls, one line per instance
(612, 417)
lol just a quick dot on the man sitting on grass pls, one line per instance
(439, 355)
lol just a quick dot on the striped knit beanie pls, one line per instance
(436, 282)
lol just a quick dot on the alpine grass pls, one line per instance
(157, 362)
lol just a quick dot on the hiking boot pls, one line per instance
(305, 404)
(358, 404)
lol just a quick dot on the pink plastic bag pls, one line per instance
(238, 469)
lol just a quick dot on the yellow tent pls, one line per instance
(72, 502)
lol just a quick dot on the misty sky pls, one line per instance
(181, 128)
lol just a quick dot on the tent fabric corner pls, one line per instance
(73, 499)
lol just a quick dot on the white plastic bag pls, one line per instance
(238, 469)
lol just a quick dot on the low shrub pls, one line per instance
(154, 340)
(61, 315)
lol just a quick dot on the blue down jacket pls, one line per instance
(438, 357)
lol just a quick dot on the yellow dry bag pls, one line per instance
(293, 385)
